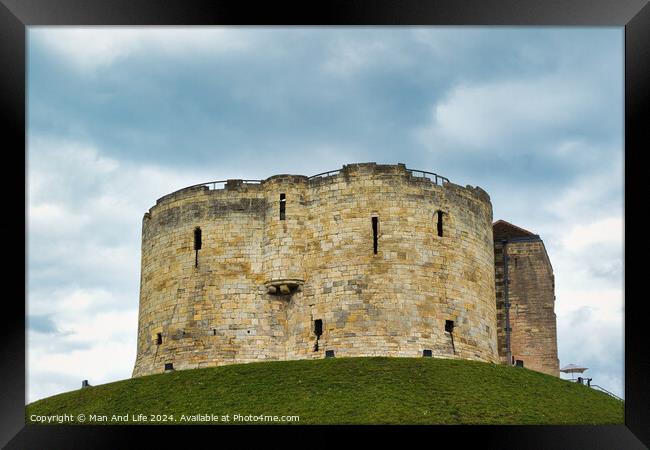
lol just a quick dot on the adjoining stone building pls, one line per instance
(369, 260)
(525, 295)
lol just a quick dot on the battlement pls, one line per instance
(348, 172)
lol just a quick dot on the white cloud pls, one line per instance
(70, 182)
(591, 195)
(95, 339)
(496, 114)
(587, 259)
(586, 253)
(63, 371)
(590, 325)
(63, 169)
(74, 301)
(84, 220)
(54, 219)
(607, 230)
(89, 49)
(602, 304)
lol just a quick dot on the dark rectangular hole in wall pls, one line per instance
(427, 353)
(283, 204)
(318, 327)
(197, 245)
(519, 363)
(197, 238)
(329, 353)
(169, 366)
(375, 231)
(159, 339)
(449, 326)
(440, 223)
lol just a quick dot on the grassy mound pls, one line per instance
(339, 391)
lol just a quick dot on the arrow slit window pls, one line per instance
(375, 234)
(283, 206)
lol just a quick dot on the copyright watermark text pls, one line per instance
(160, 418)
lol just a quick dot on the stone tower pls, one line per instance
(369, 260)
(525, 298)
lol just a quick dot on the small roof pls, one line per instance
(573, 368)
(502, 229)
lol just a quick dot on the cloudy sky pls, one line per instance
(118, 117)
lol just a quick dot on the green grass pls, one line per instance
(348, 391)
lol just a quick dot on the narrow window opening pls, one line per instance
(427, 353)
(519, 363)
(214, 332)
(439, 223)
(449, 326)
(159, 339)
(283, 205)
(375, 231)
(197, 245)
(515, 262)
(197, 238)
(318, 331)
(329, 353)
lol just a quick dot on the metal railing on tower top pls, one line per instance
(437, 179)
(325, 174)
(213, 184)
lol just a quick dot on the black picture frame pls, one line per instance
(16, 15)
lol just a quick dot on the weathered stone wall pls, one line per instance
(531, 294)
(393, 303)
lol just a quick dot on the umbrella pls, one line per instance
(572, 368)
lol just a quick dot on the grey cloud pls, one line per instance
(41, 323)
(278, 88)
(580, 316)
